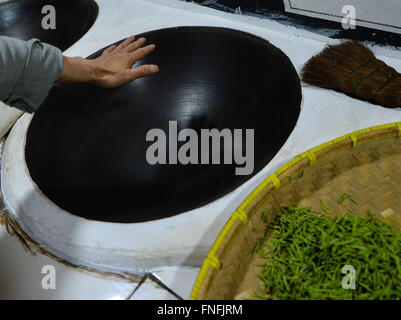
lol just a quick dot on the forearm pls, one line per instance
(77, 69)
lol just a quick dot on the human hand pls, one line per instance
(113, 67)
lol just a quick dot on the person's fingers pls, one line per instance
(142, 71)
(126, 42)
(135, 45)
(109, 50)
(142, 52)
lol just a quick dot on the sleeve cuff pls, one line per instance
(43, 67)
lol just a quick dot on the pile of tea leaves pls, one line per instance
(306, 252)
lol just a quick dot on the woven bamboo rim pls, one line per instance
(365, 163)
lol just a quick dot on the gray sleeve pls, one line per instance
(28, 70)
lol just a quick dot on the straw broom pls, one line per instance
(352, 68)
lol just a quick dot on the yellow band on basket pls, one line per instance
(240, 214)
(354, 139)
(214, 262)
(312, 157)
(275, 181)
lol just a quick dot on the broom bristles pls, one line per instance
(352, 68)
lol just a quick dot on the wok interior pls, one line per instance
(86, 146)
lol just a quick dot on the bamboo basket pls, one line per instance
(366, 164)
